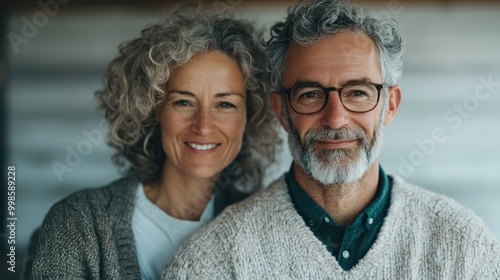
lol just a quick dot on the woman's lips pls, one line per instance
(202, 147)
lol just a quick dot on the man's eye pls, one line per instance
(310, 94)
(357, 93)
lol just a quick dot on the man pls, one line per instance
(336, 214)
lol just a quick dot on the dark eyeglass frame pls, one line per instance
(327, 91)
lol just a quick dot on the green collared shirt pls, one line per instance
(347, 244)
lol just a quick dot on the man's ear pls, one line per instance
(277, 106)
(394, 96)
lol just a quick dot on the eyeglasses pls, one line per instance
(310, 97)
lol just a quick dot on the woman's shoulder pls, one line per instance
(119, 192)
(76, 228)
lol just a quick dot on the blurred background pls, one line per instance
(54, 52)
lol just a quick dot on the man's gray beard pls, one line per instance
(336, 166)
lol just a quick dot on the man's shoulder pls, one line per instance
(433, 210)
(439, 225)
(250, 214)
(274, 197)
(424, 199)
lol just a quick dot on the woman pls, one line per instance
(188, 114)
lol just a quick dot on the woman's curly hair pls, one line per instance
(136, 88)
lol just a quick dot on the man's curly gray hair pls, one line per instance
(310, 21)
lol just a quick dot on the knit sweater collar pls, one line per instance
(348, 244)
(375, 255)
(120, 207)
(315, 214)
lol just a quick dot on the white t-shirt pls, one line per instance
(158, 236)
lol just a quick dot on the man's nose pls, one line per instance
(334, 115)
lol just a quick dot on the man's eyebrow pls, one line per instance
(306, 83)
(360, 80)
(341, 84)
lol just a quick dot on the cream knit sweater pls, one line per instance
(424, 236)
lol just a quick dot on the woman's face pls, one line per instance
(204, 115)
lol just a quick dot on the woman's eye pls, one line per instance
(225, 104)
(181, 103)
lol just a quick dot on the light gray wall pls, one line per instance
(450, 50)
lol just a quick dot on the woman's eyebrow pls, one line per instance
(181, 92)
(218, 95)
(224, 94)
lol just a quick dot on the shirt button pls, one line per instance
(311, 222)
(370, 221)
(345, 254)
(327, 220)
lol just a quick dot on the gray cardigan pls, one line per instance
(88, 235)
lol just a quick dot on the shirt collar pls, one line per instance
(315, 216)
(310, 211)
(375, 209)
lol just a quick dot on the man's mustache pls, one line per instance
(342, 133)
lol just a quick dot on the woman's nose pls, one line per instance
(203, 123)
